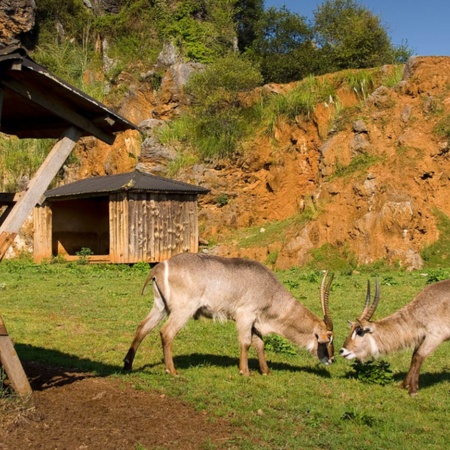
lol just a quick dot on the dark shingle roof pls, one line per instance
(132, 181)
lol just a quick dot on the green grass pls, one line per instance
(436, 255)
(84, 317)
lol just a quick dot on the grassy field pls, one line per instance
(82, 316)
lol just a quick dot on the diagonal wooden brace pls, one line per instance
(12, 365)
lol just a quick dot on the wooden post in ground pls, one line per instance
(38, 185)
(12, 365)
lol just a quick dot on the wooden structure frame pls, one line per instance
(125, 218)
(36, 104)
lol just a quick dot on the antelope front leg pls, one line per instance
(411, 382)
(244, 325)
(420, 353)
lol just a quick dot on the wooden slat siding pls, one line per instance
(188, 226)
(153, 224)
(183, 228)
(142, 229)
(112, 228)
(42, 239)
(159, 245)
(193, 215)
(118, 220)
(168, 225)
(133, 226)
(125, 228)
(161, 239)
(152, 227)
(187, 235)
(145, 229)
(138, 227)
(119, 227)
(177, 215)
(159, 228)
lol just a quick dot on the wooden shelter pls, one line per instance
(124, 218)
(36, 104)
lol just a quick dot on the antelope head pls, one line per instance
(360, 343)
(325, 349)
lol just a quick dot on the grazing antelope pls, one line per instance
(193, 285)
(423, 324)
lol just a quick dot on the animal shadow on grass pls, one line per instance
(426, 379)
(46, 368)
(183, 362)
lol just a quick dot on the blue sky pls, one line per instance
(423, 26)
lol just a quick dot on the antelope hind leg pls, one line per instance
(155, 316)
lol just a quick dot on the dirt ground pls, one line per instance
(79, 411)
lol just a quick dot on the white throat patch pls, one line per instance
(373, 346)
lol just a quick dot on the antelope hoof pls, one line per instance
(127, 365)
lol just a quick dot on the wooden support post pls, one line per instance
(38, 185)
(12, 365)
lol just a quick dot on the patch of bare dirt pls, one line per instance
(71, 410)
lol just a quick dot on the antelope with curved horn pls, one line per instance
(192, 285)
(423, 324)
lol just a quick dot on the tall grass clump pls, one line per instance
(436, 255)
(442, 129)
(358, 163)
(393, 77)
(361, 82)
(300, 101)
(19, 160)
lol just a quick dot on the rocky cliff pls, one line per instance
(369, 185)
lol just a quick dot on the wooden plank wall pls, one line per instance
(118, 228)
(42, 239)
(161, 225)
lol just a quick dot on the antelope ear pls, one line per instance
(368, 328)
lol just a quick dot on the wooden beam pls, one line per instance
(1, 104)
(12, 364)
(38, 185)
(59, 108)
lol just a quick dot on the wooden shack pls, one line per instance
(35, 103)
(124, 218)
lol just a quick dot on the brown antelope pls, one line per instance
(423, 324)
(193, 285)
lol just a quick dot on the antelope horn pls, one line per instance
(324, 294)
(369, 309)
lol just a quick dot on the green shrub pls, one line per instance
(372, 372)
(83, 255)
(217, 122)
(277, 344)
